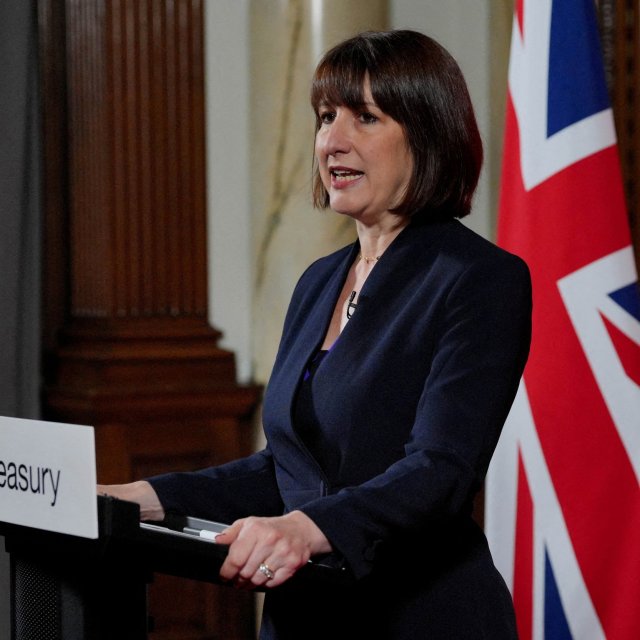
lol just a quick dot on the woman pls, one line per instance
(399, 360)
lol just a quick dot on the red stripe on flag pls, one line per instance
(523, 562)
(564, 223)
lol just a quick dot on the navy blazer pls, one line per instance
(411, 399)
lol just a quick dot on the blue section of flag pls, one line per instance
(555, 620)
(577, 86)
(629, 299)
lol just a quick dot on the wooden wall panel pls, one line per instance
(128, 346)
(136, 140)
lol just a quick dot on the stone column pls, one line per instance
(287, 39)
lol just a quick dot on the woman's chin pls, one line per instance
(343, 210)
(345, 207)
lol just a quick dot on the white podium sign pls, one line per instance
(48, 476)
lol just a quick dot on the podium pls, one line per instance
(70, 588)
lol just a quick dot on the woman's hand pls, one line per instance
(268, 551)
(141, 492)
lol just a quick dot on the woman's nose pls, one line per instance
(336, 138)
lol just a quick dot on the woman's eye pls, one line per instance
(367, 118)
(327, 117)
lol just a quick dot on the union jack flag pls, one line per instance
(563, 492)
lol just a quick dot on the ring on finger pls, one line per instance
(266, 570)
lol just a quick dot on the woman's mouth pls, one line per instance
(344, 177)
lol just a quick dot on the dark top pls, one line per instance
(410, 403)
(305, 417)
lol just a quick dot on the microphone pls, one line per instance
(351, 307)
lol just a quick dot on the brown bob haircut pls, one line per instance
(417, 82)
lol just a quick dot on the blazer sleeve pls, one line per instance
(223, 493)
(482, 346)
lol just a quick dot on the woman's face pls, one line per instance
(364, 160)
